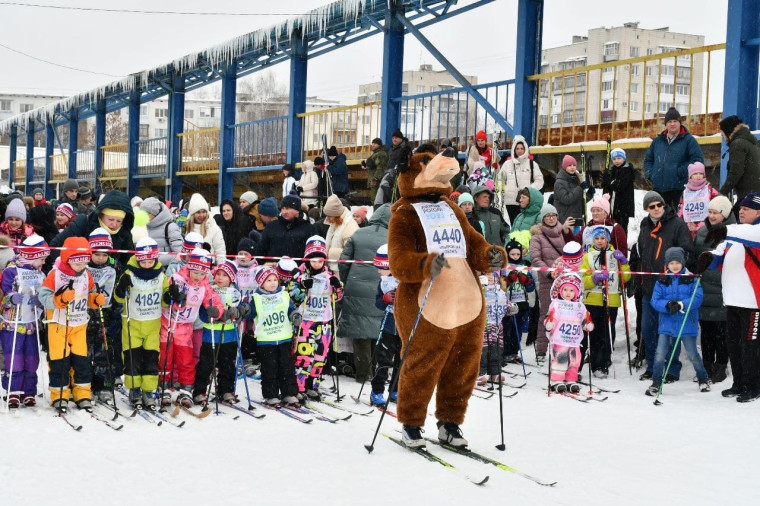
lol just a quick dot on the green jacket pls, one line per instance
(377, 163)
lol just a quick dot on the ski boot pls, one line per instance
(652, 390)
(85, 404)
(149, 402)
(13, 400)
(377, 399)
(313, 395)
(135, 398)
(451, 434)
(540, 358)
(185, 397)
(412, 438)
(104, 396)
(704, 386)
(166, 398)
(273, 402)
(200, 399)
(60, 405)
(291, 401)
(393, 397)
(230, 398)
(30, 401)
(118, 382)
(574, 388)
(560, 388)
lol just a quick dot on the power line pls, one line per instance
(57, 64)
(136, 11)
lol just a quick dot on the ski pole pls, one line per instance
(107, 351)
(678, 341)
(64, 371)
(502, 446)
(212, 381)
(374, 354)
(518, 336)
(39, 341)
(588, 361)
(166, 378)
(394, 382)
(624, 297)
(242, 364)
(334, 348)
(129, 342)
(13, 357)
(608, 328)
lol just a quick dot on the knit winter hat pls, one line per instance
(675, 253)
(465, 197)
(696, 167)
(600, 230)
(729, 123)
(146, 249)
(752, 201)
(617, 153)
(151, 205)
(570, 279)
(567, 161)
(378, 141)
(263, 274)
(315, 247)
(268, 207)
(381, 258)
(480, 189)
(361, 211)
(512, 245)
(481, 136)
(454, 196)
(229, 268)
(333, 206)
(84, 192)
(546, 209)
(291, 202)
(16, 209)
(651, 197)
(37, 190)
(572, 254)
(192, 240)
(249, 197)
(135, 201)
(603, 203)
(672, 114)
(246, 244)
(199, 260)
(333, 151)
(100, 239)
(720, 204)
(285, 268)
(396, 133)
(70, 184)
(76, 249)
(34, 247)
(66, 210)
(197, 203)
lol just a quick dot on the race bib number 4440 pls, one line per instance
(443, 233)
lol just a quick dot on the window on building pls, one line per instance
(143, 110)
(26, 107)
(682, 89)
(606, 103)
(683, 73)
(668, 70)
(649, 107)
(189, 113)
(634, 106)
(543, 120)
(567, 117)
(420, 88)
(555, 119)
(666, 89)
(161, 113)
(404, 88)
(366, 140)
(651, 70)
(635, 69)
(5, 105)
(580, 116)
(611, 49)
(144, 131)
(315, 138)
(161, 132)
(650, 51)
(207, 112)
(581, 79)
(634, 87)
(664, 106)
(606, 85)
(365, 119)
(633, 51)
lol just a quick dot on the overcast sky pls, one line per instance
(480, 42)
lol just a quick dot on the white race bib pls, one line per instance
(443, 232)
(695, 204)
(318, 301)
(568, 323)
(77, 308)
(145, 298)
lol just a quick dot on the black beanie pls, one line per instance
(729, 123)
(246, 244)
(333, 151)
(397, 133)
(672, 114)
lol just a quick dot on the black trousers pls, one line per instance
(601, 351)
(743, 341)
(714, 348)
(387, 356)
(278, 371)
(225, 366)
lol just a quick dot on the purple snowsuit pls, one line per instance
(25, 280)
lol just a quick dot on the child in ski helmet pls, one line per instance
(390, 342)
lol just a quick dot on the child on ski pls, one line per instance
(246, 283)
(521, 292)
(671, 298)
(141, 289)
(497, 307)
(565, 323)
(602, 296)
(617, 180)
(20, 322)
(220, 338)
(67, 292)
(107, 366)
(189, 289)
(697, 195)
(321, 289)
(275, 316)
(390, 342)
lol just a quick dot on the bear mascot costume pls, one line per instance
(431, 242)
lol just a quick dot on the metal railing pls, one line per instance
(85, 164)
(114, 161)
(59, 167)
(453, 113)
(151, 158)
(199, 150)
(625, 98)
(349, 128)
(261, 143)
(38, 174)
(19, 172)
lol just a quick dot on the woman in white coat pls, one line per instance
(308, 183)
(516, 173)
(342, 227)
(199, 220)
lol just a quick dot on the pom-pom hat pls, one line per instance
(146, 249)
(229, 268)
(263, 274)
(192, 240)
(100, 239)
(285, 268)
(199, 260)
(66, 210)
(381, 258)
(34, 247)
(572, 253)
(572, 280)
(315, 247)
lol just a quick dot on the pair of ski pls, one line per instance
(580, 397)
(380, 407)
(157, 417)
(597, 389)
(466, 452)
(74, 424)
(495, 390)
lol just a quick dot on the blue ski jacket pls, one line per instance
(680, 288)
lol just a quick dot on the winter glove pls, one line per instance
(96, 300)
(600, 277)
(335, 282)
(244, 310)
(34, 300)
(307, 283)
(231, 314)
(590, 194)
(173, 292)
(584, 184)
(125, 283)
(620, 257)
(512, 309)
(296, 319)
(64, 295)
(549, 325)
(495, 258)
(674, 306)
(716, 236)
(212, 312)
(389, 297)
(704, 261)
(512, 276)
(588, 327)
(522, 278)
(438, 263)
(17, 299)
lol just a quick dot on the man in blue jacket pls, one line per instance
(338, 170)
(668, 157)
